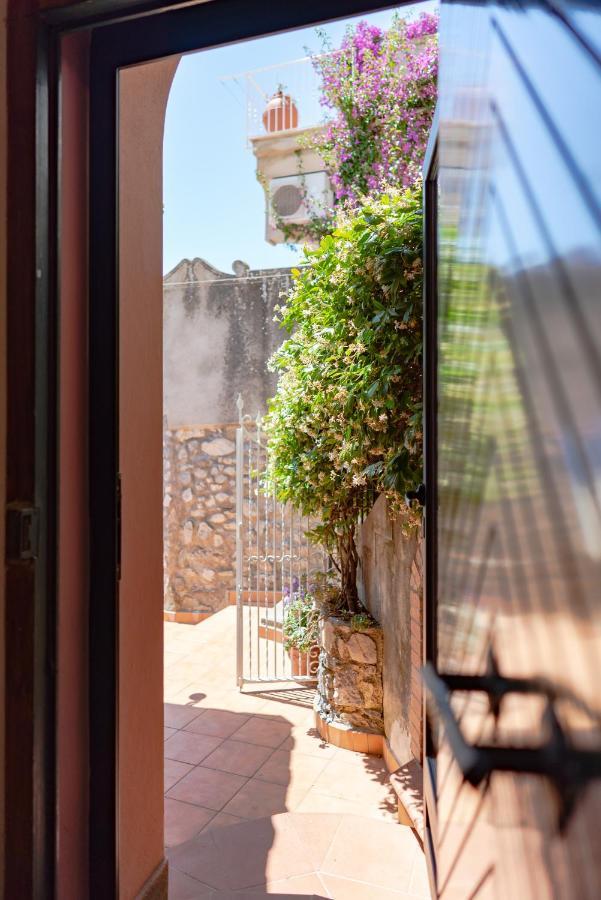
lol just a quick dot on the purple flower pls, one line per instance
(381, 88)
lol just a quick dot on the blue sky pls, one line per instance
(213, 204)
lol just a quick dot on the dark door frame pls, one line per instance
(123, 33)
(430, 357)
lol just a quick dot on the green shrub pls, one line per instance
(346, 421)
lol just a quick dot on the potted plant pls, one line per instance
(301, 634)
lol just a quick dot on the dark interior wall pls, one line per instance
(3, 149)
(18, 451)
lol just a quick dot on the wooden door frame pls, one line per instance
(123, 33)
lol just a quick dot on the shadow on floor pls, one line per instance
(256, 802)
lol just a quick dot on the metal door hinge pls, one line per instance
(22, 533)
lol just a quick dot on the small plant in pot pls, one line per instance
(301, 634)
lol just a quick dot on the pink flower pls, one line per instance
(381, 88)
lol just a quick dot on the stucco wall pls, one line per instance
(390, 587)
(218, 334)
(143, 97)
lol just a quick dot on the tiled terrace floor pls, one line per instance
(256, 803)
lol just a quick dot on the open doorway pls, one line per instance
(202, 722)
(245, 768)
(249, 782)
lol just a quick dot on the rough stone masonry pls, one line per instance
(199, 517)
(350, 675)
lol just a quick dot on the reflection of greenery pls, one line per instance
(484, 426)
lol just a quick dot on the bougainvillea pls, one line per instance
(380, 89)
(345, 423)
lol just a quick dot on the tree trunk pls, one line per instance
(348, 559)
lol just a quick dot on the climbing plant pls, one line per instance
(345, 423)
(379, 90)
(379, 93)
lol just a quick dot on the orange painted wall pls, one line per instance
(142, 102)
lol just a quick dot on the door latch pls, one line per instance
(22, 533)
(418, 495)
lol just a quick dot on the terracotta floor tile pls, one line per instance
(172, 658)
(347, 889)
(176, 695)
(268, 834)
(420, 883)
(284, 767)
(199, 859)
(182, 887)
(315, 833)
(380, 855)
(306, 740)
(222, 820)
(314, 802)
(186, 746)
(259, 852)
(184, 821)
(291, 712)
(217, 722)
(235, 701)
(262, 731)
(176, 716)
(302, 885)
(258, 799)
(237, 757)
(208, 787)
(173, 771)
(365, 761)
(367, 787)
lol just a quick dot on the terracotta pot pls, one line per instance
(280, 113)
(304, 664)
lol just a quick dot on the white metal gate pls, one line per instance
(275, 562)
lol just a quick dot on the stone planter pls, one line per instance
(350, 691)
(304, 664)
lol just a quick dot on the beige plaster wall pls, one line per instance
(218, 333)
(142, 102)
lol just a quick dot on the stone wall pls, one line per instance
(350, 688)
(199, 517)
(390, 587)
(218, 333)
